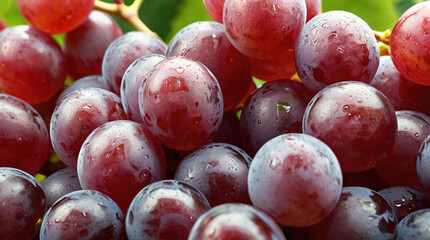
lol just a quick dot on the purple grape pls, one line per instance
(414, 226)
(85, 82)
(59, 184)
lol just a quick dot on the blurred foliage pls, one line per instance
(167, 17)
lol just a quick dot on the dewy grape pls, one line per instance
(275, 120)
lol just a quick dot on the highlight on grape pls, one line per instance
(214, 119)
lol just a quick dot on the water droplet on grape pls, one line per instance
(274, 163)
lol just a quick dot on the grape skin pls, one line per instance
(19, 76)
(336, 46)
(55, 16)
(23, 202)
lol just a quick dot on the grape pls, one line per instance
(77, 115)
(399, 167)
(131, 81)
(336, 46)
(282, 67)
(235, 222)
(228, 131)
(165, 210)
(409, 45)
(361, 213)
(423, 167)
(215, 9)
(356, 120)
(368, 179)
(55, 16)
(24, 138)
(22, 201)
(404, 200)
(85, 46)
(402, 93)
(181, 103)
(120, 153)
(85, 82)
(207, 42)
(19, 75)
(313, 8)
(415, 226)
(275, 108)
(123, 51)
(296, 179)
(267, 29)
(83, 214)
(3, 24)
(219, 171)
(59, 184)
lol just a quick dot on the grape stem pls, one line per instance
(383, 37)
(130, 14)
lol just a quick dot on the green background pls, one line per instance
(167, 17)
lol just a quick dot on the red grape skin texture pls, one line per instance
(423, 167)
(264, 29)
(181, 103)
(399, 168)
(165, 210)
(361, 213)
(215, 9)
(336, 46)
(55, 16)
(402, 93)
(123, 51)
(23, 202)
(275, 108)
(283, 67)
(60, 183)
(313, 8)
(410, 45)
(296, 179)
(219, 171)
(84, 215)
(77, 115)
(85, 82)
(207, 42)
(24, 138)
(131, 81)
(85, 46)
(356, 120)
(120, 153)
(22, 47)
(235, 221)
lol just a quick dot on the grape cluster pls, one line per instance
(148, 140)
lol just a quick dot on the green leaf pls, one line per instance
(379, 14)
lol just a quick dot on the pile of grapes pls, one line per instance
(176, 141)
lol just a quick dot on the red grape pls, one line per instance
(275, 108)
(336, 46)
(296, 179)
(3, 24)
(77, 115)
(123, 51)
(120, 153)
(282, 67)
(399, 167)
(356, 120)
(131, 81)
(235, 222)
(402, 93)
(165, 210)
(85, 46)
(22, 47)
(85, 82)
(361, 213)
(409, 43)
(215, 8)
(55, 16)
(267, 29)
(181, 103)
(83, 214)
(423, 167)
(313, 8)
(59, 184)
(24, 138)
(207, 42)
(22, 201)
(219, 171)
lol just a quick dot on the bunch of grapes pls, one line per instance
(148, 140)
